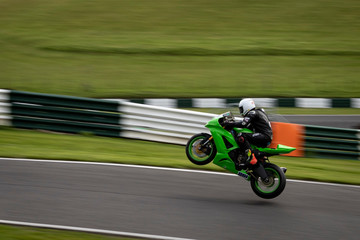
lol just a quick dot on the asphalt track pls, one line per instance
(182, 204)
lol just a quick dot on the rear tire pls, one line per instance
(197, 156)
(276, 185)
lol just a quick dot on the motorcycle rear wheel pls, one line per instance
(200, 156)
(274, 187)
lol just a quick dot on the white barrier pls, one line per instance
(161, 124)
(5, 108)
(4, 95)
(180, 126)
(164, 113)
(154, 135)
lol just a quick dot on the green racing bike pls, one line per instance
(222, 148)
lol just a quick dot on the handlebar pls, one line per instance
(227, 117)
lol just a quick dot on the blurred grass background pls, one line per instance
(181, 48)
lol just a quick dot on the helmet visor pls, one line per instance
(241, 109)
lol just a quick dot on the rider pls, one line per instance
(256, 120)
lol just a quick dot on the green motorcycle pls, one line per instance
(221, 148)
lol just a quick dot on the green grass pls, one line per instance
(27, 233)
(181, 48)
(22, 144)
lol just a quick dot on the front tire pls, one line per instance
(274, 187)
(200, 156)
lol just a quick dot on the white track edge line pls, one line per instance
(91, 230)
(165, 169)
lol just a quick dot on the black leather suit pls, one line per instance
(257, 121)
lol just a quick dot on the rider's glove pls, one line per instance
(229, 125)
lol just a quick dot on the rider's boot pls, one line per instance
(248, 158)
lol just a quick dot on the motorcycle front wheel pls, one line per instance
(274, 187)
(197, 154)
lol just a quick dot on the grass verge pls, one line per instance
(25, 233)
(33, 144)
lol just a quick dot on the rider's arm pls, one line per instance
(245, 123)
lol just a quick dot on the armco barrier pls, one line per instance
(63, 101)
(102, 117)
(65, 126)
(329, 142)
(64, 113)
(154, 123)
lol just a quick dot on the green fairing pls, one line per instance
(280, 149)
(222, 158)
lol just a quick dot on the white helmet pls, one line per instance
(246, 105)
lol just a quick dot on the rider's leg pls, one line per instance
(245, 147)
(251, 155)
(259, 140)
